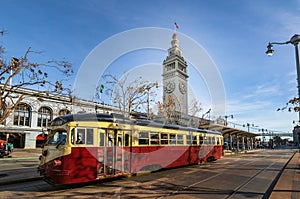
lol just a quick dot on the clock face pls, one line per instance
(170, 87)
(182, 88)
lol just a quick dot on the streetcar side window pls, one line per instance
(80, 136)
(208, 140)
(205, 140)
(213, 140)
(188, 139)
(126, 141)
(164, 140)
(102, 140)
(194, 140)
(90, 136)
(179, 139)
(201, 139)
(172, 139)
(154, 138)
(120, 136)
(218, 140)
(110, 139)
(143, 138)
(73, 136)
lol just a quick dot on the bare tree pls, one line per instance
(195, 108)
(167, 110)
(291, 105)
(127, 95)
(22, 73)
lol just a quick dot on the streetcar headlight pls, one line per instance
(56, 163)
(44, 153)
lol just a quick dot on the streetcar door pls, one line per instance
(106, 153)
(119, 152)
(111, 152)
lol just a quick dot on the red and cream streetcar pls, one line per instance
(89, 147)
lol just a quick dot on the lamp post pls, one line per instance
(295, 41)
(227, 116)
(148, 88)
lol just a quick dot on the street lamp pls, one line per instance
(295, 41)
(148, 88)
(227, 116)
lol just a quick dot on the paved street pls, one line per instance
(235, 176)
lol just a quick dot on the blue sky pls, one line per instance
(234, 33)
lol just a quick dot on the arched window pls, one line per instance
(44, 116)
(22, 115)
(63, 112)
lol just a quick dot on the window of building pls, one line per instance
(44, 116)
(22, 115)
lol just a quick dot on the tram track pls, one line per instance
(169, 184)
(248, 181)
(230, 166)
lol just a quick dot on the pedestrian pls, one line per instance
(10, 147)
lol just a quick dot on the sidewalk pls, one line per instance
(25, 153)
(288, 185)
(23, 173)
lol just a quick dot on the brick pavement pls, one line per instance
(288, 185)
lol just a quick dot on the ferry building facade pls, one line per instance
(27, 126)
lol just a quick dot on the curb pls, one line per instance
(18, 158)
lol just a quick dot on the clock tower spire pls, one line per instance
(175, 80)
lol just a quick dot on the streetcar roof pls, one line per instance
(117, 118)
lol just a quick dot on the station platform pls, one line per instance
(288, 185)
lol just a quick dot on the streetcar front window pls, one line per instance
(58, 138)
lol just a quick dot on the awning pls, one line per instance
(41, 137)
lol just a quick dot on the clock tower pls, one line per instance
(175, 80)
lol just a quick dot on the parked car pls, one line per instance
(5, 149)
(3, 152)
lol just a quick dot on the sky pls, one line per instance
(233, 34)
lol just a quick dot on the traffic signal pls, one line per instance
(101, 88)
